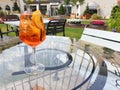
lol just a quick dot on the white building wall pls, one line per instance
(21, 4)
(105, 6)
(104, 9)
(3, 3)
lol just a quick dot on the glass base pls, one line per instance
(35, 69)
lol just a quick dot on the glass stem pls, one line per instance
(34, 56)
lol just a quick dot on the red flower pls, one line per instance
(97, 22)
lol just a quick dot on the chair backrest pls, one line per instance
(103, 38)
(12, 18)
(1, 35)
(56, 26)
(11, 28)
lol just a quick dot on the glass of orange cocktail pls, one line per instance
(32, 33)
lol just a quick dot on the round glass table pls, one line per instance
(67, 66)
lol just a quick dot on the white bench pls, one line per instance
(103, 38)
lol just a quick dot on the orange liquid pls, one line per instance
(29, 33)
(32, 40)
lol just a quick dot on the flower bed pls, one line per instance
(74, 22)
(97, 22)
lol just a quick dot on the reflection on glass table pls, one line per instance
(67, 67)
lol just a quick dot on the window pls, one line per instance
(43, 9)
(7, 7)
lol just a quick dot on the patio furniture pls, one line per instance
(1, 34)
(67, 67)
(56, 26)
(103, 38)
(9, 27)
(12, 18)
(109, 42)
(16, 23)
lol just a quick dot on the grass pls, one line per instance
(3, 28)
(69, 31)
(73, 32)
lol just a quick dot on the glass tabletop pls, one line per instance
(50, 53)
(67, 67)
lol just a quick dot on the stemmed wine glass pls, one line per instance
(32, 33)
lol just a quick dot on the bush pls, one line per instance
(61, 10)
(114, 21)
(87, 10)
(95, 17)
(2, 14)
(15, 7)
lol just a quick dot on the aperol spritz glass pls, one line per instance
(32, 33)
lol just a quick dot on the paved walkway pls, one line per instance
(112, 61)
(7, 42)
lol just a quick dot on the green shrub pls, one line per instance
(2, 14)
(95, 17)
(61, 10)
(87, 10)
(15, 7)
(114, 21)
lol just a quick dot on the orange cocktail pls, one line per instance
(32, 31)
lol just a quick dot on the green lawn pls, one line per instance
(74, 32)
(70, 32)
(3, 28)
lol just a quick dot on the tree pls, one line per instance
(15, 7)
(61, 10)
(114, 20)
(66, 2)
(87, 10)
